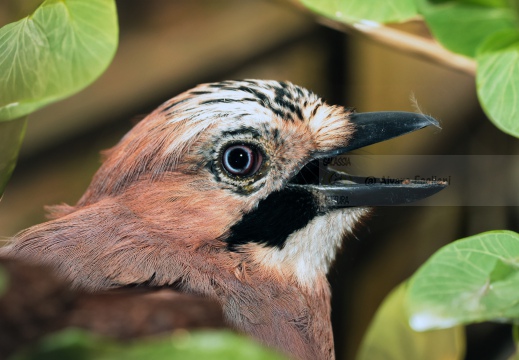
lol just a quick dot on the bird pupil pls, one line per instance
(239, 159)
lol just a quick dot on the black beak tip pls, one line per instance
(374, 127)
(394, 117)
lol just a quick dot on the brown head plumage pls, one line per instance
(207, 195)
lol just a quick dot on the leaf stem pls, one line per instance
(415, 45)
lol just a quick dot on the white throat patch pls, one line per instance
(310, 251)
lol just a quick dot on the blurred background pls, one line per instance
(169, 46)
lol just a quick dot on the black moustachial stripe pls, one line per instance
(276, 217)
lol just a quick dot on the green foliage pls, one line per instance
(4, 281)
(490, 3)
(212, 345)
(390, 337)
(515, 333)
(355, 10)
(471, 280)
(53, 53)
(462, 27)
(487, 30)
(58, 50)
(498, 79)
(11, 136)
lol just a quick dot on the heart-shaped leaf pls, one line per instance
(498, 80)
(471, 280)
(390, 337)
(462, 27)
(58, 50)
(11, 137)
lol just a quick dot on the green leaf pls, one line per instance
(497, 80)
(4, 280)
(60, 49)
(390, 337)
(11, 137)
(461, 27)
(212, 345)
(349, 11)
(515, 333)
(489, 3)
(471, 280)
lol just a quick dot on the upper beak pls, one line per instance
(346, 190)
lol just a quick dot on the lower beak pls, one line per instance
(346, 190)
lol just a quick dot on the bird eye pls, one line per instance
(242, 160)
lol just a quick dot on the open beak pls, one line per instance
(338, 189)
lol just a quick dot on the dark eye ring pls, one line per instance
(242, 160)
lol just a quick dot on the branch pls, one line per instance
(415, 45)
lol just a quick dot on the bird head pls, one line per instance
(218, 192)
(220, 164)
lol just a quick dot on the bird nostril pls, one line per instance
(242, 160)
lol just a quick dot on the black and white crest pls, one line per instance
(286, 100)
